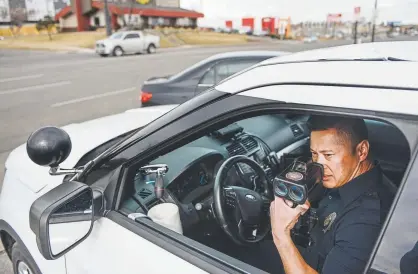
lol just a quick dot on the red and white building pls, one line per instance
(86, 15)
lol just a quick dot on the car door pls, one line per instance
(397, 249)
(131, 43)
(223, 70)
(117, 244)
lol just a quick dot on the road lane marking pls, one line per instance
(21, 78)
(57, 84)
(82, 99)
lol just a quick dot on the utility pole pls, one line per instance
(355, 32)
(374, 20)
(107, 18)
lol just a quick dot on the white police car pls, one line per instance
(145, 191)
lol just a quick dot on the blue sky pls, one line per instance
(303, 10)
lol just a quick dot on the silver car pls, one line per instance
(128, 42)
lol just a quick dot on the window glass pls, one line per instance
(398, 250)
(224, 70)
(116, 35)
(132, 36)
(208, 78)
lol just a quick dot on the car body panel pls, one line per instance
(387, 100)
(82, 142)
(15, 202)
(102, 261)
(328, 74)
(400, 49)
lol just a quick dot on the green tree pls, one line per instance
(48, 24)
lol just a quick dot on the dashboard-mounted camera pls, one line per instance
(299, 181)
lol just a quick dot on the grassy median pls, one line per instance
(65, 41)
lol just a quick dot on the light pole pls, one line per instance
(107, 18)
(374, 20)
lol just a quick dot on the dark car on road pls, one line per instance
(178, 88)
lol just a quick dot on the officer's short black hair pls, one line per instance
(351, 129)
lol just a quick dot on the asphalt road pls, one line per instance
(44, 88)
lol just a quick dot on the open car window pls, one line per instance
(193, 166)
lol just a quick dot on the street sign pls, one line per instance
(336, 17)
(357, 13)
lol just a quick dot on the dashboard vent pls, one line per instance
(297, 131)
(144, 193)
(236, 149)
(249, 143)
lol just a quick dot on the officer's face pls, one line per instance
(336, 155)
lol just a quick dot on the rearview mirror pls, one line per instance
(62, 218)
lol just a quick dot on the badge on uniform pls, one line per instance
(328, 221)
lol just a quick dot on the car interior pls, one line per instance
(273, 141)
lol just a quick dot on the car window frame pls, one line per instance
(208, 70)
(407, 180)
(251, 105)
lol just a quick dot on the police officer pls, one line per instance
(351, 214)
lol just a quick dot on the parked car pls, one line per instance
(128, 42)
(178, 88)
(310, 39)
(77, 202)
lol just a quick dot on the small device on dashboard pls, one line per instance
(228, 132)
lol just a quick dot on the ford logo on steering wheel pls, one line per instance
(250, 197)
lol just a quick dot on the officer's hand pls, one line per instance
(283, 218)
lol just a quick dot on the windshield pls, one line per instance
(116, 35)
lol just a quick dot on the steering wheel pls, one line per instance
(250, 208)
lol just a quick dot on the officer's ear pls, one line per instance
(362, 150)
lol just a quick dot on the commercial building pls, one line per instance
(82, 15)
(269, 25)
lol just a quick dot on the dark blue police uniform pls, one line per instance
(349, 221)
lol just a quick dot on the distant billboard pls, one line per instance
(336, 17)
(30, 10)
(4, 11)
(37, 9)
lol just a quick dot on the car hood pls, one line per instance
(106, 41)
(84, 136)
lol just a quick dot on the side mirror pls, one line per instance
(62, 218)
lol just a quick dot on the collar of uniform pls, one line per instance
(359, 185)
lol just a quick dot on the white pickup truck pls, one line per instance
(127, 42)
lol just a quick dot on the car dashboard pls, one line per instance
(273, 141)
(193, 167)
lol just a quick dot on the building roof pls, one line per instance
(143, 10)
